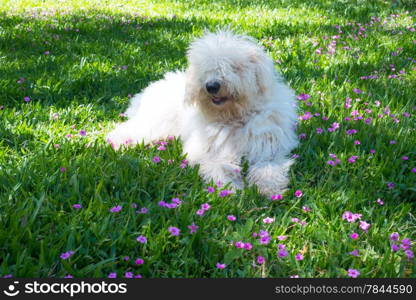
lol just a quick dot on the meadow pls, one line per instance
(71, 206)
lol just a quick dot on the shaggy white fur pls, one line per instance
(230, 103)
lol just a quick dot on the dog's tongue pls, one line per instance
(217, 100)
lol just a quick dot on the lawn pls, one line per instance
(72, 206)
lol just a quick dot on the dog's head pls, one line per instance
(228, 75)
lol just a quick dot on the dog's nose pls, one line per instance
(213, 87)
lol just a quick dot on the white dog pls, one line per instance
(229, 104)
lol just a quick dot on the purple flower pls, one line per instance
(115, 209)
(68, 276)
(225, 193)
(112, 275)
(156, 159)
(126, 258)
(409, 254)
(303, 97)
(220, 266)
(354, 252)
(405, 244)
(177, 201)
(67, 254)
(395, 247)
(264, 240)
(282, 253)
(174, 230)
(299, 256)
(394, 237)
(27, 99)
(268, 220)
(192, 228)
(143, 210)
(357, 91)
(379, 201)
(390, 185)
(353, 273)
(281, 237)
(128, 275)
(82, 133)
(210, 189)
(139, 261)
(306, 208)
(77, 206)
(231, 218)
(142, 239)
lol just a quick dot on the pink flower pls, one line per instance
(192, 228)
(276, 197)
(354, 252)
(380, 202)
(298, 193)
(77, 206)
(239, 244)
(128, 275)
(248, 246)
(350, 217)
(354, 235)
(306, 208)
(174, 230)
(281, 237)
(353, 273)
(220, 266)
(82, 133)
(268, 220)
(112, 275)
(260, 260)
(156, 159)
(364, 225)
(139, 261)
(142, 239)
(205, 206)
(200, 212)
(231, 218)
(319, 130)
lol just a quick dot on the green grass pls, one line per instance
(83, 80)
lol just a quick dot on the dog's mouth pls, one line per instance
(218, 100)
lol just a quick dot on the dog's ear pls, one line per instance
(190, 96)
(264, 71)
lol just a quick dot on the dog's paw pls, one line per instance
(119, 139)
